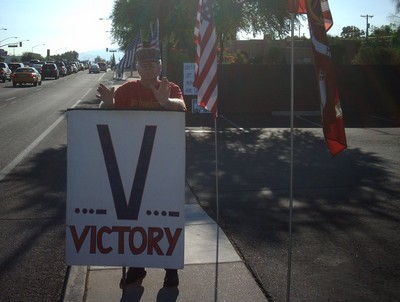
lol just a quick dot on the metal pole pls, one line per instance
(217, 210)
(289, 271)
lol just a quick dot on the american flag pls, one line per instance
(205, 79)
(300, 7)
(320, 21)
(129, 57)
(154, 35)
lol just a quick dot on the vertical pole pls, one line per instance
(289, 271)
(164, 58)
(217, 210)
(367, 25)
(123, 280)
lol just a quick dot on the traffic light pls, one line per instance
(107, 49)
(20, 44)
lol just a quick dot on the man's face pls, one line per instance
(149, 69)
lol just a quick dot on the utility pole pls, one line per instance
(367, 26)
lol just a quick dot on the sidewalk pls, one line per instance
(126, 75)
(197, 279)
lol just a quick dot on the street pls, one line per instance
(345, 215)
(345, 209)
(33, 184)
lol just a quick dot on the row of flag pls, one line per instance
(128, 60)
(320, 20)
(206, 81)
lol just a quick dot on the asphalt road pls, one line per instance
(33, 184)
(345, 240)
(345, 215)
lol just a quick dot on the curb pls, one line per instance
(76, 284)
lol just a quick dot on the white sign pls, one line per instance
(125, 188)
(188, 79)
(196, 108)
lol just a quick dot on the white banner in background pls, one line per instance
(125, 188)
(188, 79)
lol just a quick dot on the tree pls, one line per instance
(397, 5)
(385, 36)
(351, 32)
(27, 56)
(99, 59)
(112, 60)
(369, 55)
(177, 20)
(383, 47)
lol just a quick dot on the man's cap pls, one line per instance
(148, 54)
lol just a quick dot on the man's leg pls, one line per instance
(171, 278)
(134, 274)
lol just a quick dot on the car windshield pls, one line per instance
(24, 70)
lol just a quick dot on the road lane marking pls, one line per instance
(10, 99)
(8, 168)
(102, 76)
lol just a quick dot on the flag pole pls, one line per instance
(289, 270)
(217, 210)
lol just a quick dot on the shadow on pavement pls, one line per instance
(346, 211)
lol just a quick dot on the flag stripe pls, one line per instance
(206, 80)
(129, 56)
(155, 35)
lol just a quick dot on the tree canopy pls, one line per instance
(351, 32)
(177, 19)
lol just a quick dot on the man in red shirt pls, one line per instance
(148, 93)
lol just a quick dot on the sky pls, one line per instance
(67, 25)
(75, 25)
(348, 13)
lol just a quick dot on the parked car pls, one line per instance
(5, 72)
(33, 62)
(50, 70)
(94, 68)
(26, 75)
(38, 67)
(74, 67)
(69, 68)
(62, 68)
(14, 65)
(103, 66)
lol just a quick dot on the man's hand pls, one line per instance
(106, 96)
(162, 93)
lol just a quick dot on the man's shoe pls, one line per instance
(171, 278)
(133, 275)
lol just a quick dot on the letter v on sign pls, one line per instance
(127, 210)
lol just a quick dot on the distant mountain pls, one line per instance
(102, 53)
